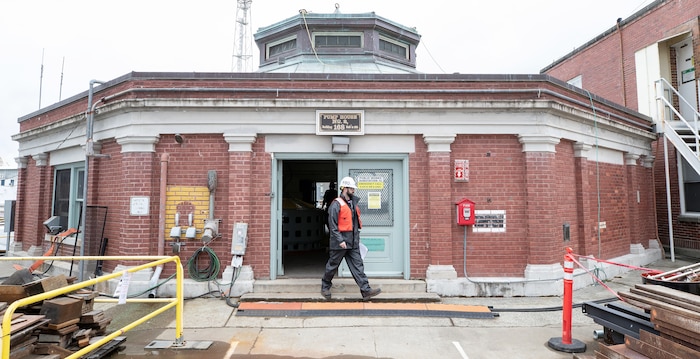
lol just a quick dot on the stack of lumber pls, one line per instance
(58, 328)
(674, 313)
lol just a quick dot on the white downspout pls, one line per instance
(161, 221)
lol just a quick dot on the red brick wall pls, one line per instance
(600, 64)
(419, 226)
(34, 201)
(258, 252)
(496, 181)
(106, 178)
(22, 204)
(609, 199)
(238, 198)
(440, 207)
(566, 200)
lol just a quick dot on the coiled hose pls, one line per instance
(208, 273)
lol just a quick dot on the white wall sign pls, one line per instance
(139, 206)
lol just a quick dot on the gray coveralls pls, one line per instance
(351, 254)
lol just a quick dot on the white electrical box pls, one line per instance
(239, 238)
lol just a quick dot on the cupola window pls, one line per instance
(393, 47)
(353, 39)
(277, 47)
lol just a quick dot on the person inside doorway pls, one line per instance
(328, 197)
(344, 224)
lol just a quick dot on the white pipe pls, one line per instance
(668, 202)
(164, 158)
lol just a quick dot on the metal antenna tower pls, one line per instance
(243, 39)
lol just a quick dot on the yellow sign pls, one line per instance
(370, 185)
(374, 200)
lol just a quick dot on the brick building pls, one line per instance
(544, 163)
(623, 64)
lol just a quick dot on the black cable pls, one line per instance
(548, 309)
(234, 276)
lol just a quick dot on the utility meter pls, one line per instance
(238, 242)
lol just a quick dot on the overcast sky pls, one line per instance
(84, 40)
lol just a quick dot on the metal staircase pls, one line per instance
(681, 132)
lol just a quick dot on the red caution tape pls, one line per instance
(652, 271)
(571, 255)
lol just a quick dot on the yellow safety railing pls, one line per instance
(176, 302)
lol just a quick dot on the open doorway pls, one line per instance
(304, 232)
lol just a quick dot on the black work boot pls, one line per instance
(326, 293)
(371, 293)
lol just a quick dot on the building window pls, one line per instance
(277, 47)
(690, 192)
(68, 194)
(345, 39)
(393, 47)
(576, 81)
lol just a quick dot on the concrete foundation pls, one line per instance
(537, 280)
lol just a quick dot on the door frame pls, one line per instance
(276, 268)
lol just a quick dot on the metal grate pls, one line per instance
(375, 188)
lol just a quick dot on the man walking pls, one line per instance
(344, 225)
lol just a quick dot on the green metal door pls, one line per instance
(383, 210)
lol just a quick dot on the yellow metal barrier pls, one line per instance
(176, 302)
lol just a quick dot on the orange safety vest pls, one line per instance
(345, 216)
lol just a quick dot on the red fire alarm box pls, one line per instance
(465, 212)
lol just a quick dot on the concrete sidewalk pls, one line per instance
(514, 334)
(518, 331)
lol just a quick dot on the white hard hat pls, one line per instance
(348, 182)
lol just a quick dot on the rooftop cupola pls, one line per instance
(337, 43)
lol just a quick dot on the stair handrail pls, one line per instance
(661, 85)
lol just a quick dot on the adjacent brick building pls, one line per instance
(622, 65)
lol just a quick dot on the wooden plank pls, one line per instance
(667, 292)
(648, 349)
(620, 351)
(25, 321)
(665, 299)
(88, 298)
(21, 352)
(632, 299)
(63, 325)
(92, 316)
(52, 349)
(662, 305)
(11, 293)
(688, 324)
(679, 350)
(668, 329)
(681, 342)
(68, 330)
(62, 309)
(45, 285)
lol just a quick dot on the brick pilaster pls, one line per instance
(543, 231)
(635, 234)
(588, 241)
(441, 204)
(22, 205)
